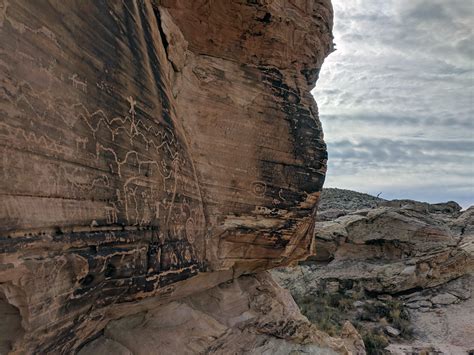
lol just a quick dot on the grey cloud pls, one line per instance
(413, 152)
(371, 118)
(396, 98)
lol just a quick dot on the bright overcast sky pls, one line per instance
(396, 99)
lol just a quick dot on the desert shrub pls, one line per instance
(375, 343)
(391, 312)
(400, 319)
(327, 311)
(357, 295)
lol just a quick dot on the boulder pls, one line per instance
(393, 332)
(444, 299)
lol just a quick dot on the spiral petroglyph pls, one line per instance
(259, 188)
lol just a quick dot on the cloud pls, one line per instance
(396, 98)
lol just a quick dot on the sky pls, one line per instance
(396, 99)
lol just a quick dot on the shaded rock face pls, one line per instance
(150, 150)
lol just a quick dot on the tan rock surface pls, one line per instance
(251, 315)
(391, 250)
(401, 272)
(150, 150)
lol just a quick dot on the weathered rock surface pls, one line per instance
(251, 315)
(150, 150)
(406, 263)
(392, 250)
(445, 325)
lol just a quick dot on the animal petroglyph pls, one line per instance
(78, 84)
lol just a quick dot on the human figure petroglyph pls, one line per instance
(160, 206)
(111, 214)
(147, 213)
(81, 143)
(130, 200)
(132, 103)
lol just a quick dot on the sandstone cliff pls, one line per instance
(150, 150)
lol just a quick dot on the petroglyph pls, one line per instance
(133, 103)
(3, 11)
(111, 214)
(259, 188)
(14, 134)
(121, 179)
(138, 185)
(81, 143)
(21, 27)
(280, 195)
(190, 230)
(78, 84)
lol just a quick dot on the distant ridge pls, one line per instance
(334, 198)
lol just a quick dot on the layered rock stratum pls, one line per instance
(150, 151)
(401, 271)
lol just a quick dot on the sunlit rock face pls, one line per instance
(151, 150)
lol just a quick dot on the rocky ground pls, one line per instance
(400, 271)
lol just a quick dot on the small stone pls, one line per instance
(419, 304)
(385, 297)
(409, 270)
(392, 331)
(444, 299)
(416, 298)
(358, 304)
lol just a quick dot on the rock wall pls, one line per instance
(401, 271)
(151, 150)
(250, 315)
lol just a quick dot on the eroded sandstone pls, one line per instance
(151, 150)
(251, 315)
(401, 271)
